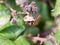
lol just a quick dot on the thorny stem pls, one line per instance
(56, 13)
(41, 40)
(49, 37)
(8, 6)
(13, 12)
(11, 9)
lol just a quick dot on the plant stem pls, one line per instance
(8, 6)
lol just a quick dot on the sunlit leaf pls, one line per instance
(3, 21)
(4, 16)
(5, 41)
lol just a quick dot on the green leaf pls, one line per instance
(5, 41)
(48, 43)
(20, 21)
(48, 25)
(56, 10)
(4, 11)
(21, 41)
(45, 11)
(13, 5)
(4, 16)
(2, 6)
(12, 32)
(3, 21)
(33, 31)
(57, 34)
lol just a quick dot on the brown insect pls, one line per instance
(31, 10)
(32, 17)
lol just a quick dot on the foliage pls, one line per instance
(22, 33)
